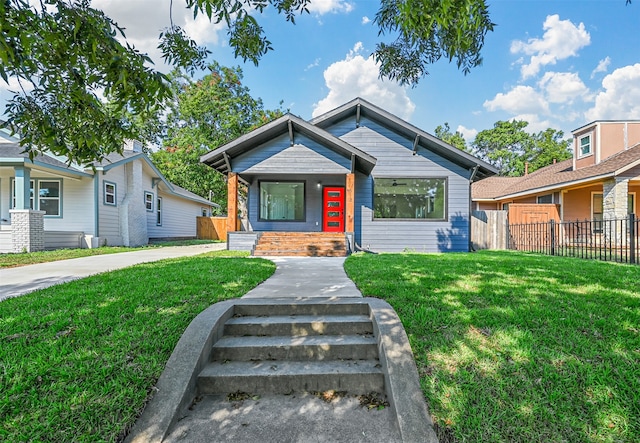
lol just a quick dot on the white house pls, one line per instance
(123, 200)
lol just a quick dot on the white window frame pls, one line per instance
(148, 201)
(32, 186)
(58, 198)
(580, 145)
(106, 193)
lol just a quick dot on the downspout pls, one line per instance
(474, 172)
(96, 200)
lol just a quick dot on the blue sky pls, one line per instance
(554, 63)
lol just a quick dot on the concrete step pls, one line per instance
(295, 308)
(299, 325)
(296, 348)
(283, 377)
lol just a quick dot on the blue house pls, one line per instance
(356, 173)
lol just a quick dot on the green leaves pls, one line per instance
(508, 147)
(205, 114)
(85, 85)
(428, 30)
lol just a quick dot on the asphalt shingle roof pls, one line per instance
(558, 174)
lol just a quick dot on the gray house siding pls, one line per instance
(313, 202)
(395, 159)
(279, 157)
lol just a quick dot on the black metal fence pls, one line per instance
(608, 240)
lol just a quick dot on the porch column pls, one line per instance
(615, 194)
(27, 230)
(232, 201)
(22, 187)
(350, 202)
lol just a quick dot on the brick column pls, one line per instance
(27, 230)
(615, 194)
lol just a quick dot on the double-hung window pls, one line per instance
(110, 194)
(148, 201)
(159, 211)
(585, 146)
(410, 198)
(49, 196)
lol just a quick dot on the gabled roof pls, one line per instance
(359, 107)
(12, 154)
(556, 176)
(220, 158)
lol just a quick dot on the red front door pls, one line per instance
(333, 209)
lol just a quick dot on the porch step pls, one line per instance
(309, 244)
(290, 347)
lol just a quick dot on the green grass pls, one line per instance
(78, 361)
(516, 347)
(31, 258)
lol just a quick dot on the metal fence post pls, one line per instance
(552, 225)
(632, 238)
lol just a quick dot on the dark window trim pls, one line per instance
(419, 220)
(104, 193)
(304, 201)
(147, 193)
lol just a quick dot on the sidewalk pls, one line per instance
(24, 279)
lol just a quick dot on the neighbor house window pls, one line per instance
(49, 196)
(596, 211)
(585, 145)
(148, 201)
(109, 193)
(205, 212)
(282, 201)
(13, 193)
(545, 198)
(410, 198)
(159, 211)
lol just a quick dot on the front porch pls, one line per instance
(292, 244)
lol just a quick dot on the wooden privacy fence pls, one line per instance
(211, 228)
(489, 230)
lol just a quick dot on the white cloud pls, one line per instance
(315, 63)
(322, 7)
(366, 20)
(144, 19)
(468, 134)
(535, 124)
(356, 76)
(521, 99)
(563, 87)
(603, 66)
(620, 98)
(562, 39)
(15, 85)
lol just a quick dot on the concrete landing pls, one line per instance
(302, 418)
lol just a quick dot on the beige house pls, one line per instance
(600, 182)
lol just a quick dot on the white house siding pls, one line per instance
(4, 198)
(395, 159)
(109, 216)
(76, 209)
(178, 217)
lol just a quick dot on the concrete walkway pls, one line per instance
(305, 277)
(24, 279)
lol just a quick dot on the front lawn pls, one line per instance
(11, 260)
(78, 361)
(514, 347)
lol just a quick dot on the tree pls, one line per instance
(81, 91)
(454, 139)
(205, 114)
(508, 147)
